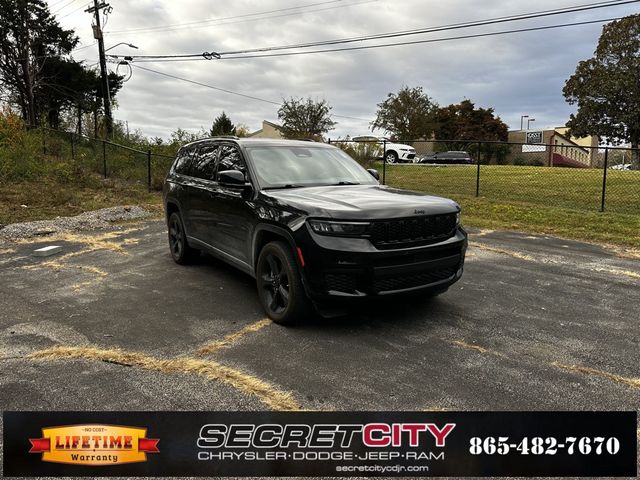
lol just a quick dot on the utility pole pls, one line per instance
(97, 34)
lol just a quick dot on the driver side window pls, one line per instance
(231, 159)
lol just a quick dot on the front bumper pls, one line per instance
(346, 268)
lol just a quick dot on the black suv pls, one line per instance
(309, 223)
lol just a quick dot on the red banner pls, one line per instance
(39, 445)
(149, 445)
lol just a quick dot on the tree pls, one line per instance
(463, 121)
(305, 118)
(407, 115)
(29, 37)
(222, 126)
(606, 87)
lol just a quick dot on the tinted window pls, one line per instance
(230, 159)
(183, 161)
(205, 161)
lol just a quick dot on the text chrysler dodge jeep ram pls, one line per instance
(309, 223)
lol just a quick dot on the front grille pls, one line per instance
(418, 279)
(411, 156)
(412, 231)
(340, 282)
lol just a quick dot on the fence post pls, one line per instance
(104, 158)
(73, 146)
(149, 169)
(329, 141)
(384, 162)
(604, 178)
(478, 171)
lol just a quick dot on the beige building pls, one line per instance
(553, 148)
(268, 130)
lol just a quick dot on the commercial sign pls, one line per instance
(320, 444)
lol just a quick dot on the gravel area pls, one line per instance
(97, 219)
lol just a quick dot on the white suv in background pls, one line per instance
(395, 152)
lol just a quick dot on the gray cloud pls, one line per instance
(515, 74)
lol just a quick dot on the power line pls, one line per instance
(63, 7)
(491, 21)
(71, 12)
(416, 42)
(231, 92)
(455, 26)
(243, 18)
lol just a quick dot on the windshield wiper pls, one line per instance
(346, 182)
(288, 185)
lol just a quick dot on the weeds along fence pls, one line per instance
(108, 158)
(556, 175)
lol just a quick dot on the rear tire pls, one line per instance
(280, 287)
(180, 250)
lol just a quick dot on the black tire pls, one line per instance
(180, 250)
(391, 157)
(280, 288)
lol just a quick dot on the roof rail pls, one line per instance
(233, 137)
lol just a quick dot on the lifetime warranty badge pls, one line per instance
(94, 444)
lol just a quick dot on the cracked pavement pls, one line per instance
(536, 323)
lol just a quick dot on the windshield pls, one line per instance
(296, 166)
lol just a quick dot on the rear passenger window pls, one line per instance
(205, 162)
(184, 162)
(230, 159)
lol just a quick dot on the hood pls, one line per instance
(354, 202)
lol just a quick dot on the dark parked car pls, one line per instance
(447, 158)
(309, 223)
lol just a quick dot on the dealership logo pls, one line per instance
(94, 444)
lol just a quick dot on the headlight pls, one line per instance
(458, 219)
(339, 229)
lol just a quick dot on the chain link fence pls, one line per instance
(108, 158)
(566, 176)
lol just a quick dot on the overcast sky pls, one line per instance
(516, 74)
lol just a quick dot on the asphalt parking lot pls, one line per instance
(112, 323)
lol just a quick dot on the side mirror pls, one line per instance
(374, 173)
(232, 178)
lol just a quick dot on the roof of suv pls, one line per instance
(274, 142)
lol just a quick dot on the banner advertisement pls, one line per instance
(320, 444)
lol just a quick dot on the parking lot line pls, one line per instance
(502, 251)
(478, 348)
(232, 338)
(248, 384)
(632, 382)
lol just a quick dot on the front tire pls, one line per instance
(280, 287)
(180, 250)
(391, 157)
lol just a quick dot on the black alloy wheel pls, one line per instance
(181, 252)
(279, 286)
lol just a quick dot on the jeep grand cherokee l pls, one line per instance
(308, 223)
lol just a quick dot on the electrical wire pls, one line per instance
(491, 21)
(416, 42)
(255, 19)
(71, 12)
(187, 24)
(63, 7)
(455, 26)
(231, 92)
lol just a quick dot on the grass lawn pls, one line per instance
(578, 189)
(562, 202)
(558, 201)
